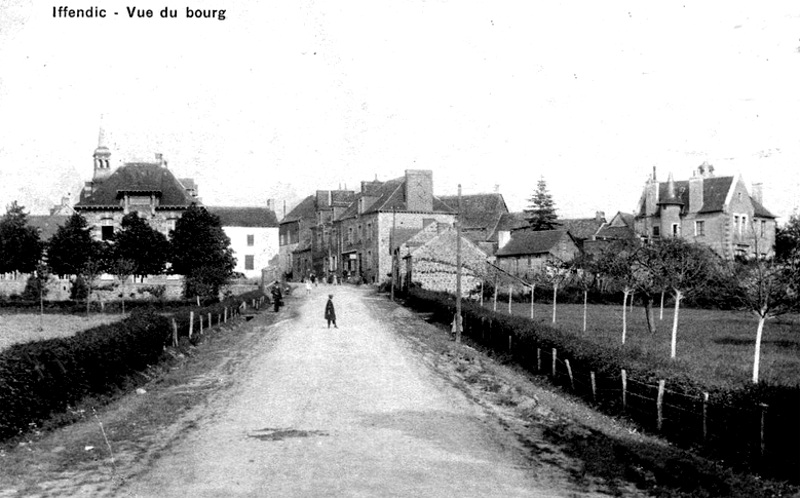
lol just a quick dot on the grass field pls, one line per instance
(16, 328)
(715, 346)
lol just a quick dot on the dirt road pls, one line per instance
(339, 412)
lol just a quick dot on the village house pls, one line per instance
(717, 211)
(365, 229)
(481, 218)
(325, 249)
(429, 260)
(253, 232)
(294, 239)
(582, 229)
(149, 189)
(620, 227)
(528, 251)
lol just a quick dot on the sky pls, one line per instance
(282, 98)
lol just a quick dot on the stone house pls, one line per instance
(429, 260)
(366, 228)
(717, 211)
(582, 229)
(482, 217)
(527, 251)
(620, 227)
(149, 189)
(253, 232)
(328, 205)
(294, 228)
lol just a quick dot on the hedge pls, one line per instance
(734, 416)
(43, 378)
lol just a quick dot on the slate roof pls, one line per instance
(390, 196)
(715, 191)
(480, 213)
(509, 222)
(47, 224)
(138, 177)
(252, 216)
(525, 242)
(760, 211)
(303, 211)
(620, 227)
(581, 228)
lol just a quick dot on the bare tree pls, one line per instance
(583, 274)
(615, 270)
(123, 269)
(556, 272)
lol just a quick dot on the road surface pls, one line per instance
(339, 412)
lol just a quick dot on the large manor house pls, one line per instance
(401, 227)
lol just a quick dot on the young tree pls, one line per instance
(122, 269)
(73, 251)
(583, 274)
(146, 249)
(649, 278)
(616, 270)
(201, 252)
(685, 267)
(556, 273)
(20, 247)
(541, 213)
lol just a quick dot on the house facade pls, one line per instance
(293, 229)
(149, 189)
(429, 260)
(528, 251)
(717, 211)
(253, 232)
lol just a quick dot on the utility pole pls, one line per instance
(458, 268)
(391, 251)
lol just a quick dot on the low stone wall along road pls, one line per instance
(338, 412)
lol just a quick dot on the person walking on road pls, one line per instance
(308, 286)
(330, 312)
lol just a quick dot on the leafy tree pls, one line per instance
(616, 270)
(787, 239)
(541, 212)
(650, 278)
(20, 247)
(141, 246)
(685, 268)
(73, 251)
(201, 252)
(767, 288)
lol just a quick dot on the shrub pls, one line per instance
(32, 288)
(78, 290)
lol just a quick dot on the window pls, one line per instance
(369, 231)
(736, 226)
(743, 227)
(250, 239)
(369, 259)
(699, 228)
(763, 228)
(656, 232)
(676, 230)
(249, 262)
(107, 232)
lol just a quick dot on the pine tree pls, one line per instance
(541, 212)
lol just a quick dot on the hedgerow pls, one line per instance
(734, 419)
(42, 378)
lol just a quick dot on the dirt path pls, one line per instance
(340, 412)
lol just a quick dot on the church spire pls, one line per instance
(102, 157)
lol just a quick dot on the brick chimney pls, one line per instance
(696, 189)
(419, 190)
(600, 216)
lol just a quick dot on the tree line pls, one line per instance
(197, 248)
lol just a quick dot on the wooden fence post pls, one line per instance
(624, 390)
(481, 293)
(509, 342)
(594, 387)
(200, 322)
(191, 324)
(225, 310)
(532, 288)
(495, 298)
(764, 407)
(660, 403)
(569, 371)
(210, 323)
(705, 416)
(510, 292)
(554, 362)
(174, 333)
(538, 359)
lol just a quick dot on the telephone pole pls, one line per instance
(458, 268)
(391, 252)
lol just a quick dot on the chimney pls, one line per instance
(651, 195)
(600, 216)
(270, 205)
(696, 189)
(419, 190)
(758, 193)
(160, 160)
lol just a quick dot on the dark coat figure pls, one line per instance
(330, 312)
(277, 297)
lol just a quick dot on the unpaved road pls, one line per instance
(340, 412)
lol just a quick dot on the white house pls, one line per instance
(254, 236)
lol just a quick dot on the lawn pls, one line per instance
(24, 327)
(716, 346)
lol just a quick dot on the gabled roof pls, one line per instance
(252, 216)
(480, 213)
(581, 228)
(760, 211)
(391, 196)
(142, 178)
(402, 236)
(530, 242)
(620, 227)
(46, 224)
(509, 222)
(303, 211)
(715, 190)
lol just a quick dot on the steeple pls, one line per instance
(102, 158)
(671, 198)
